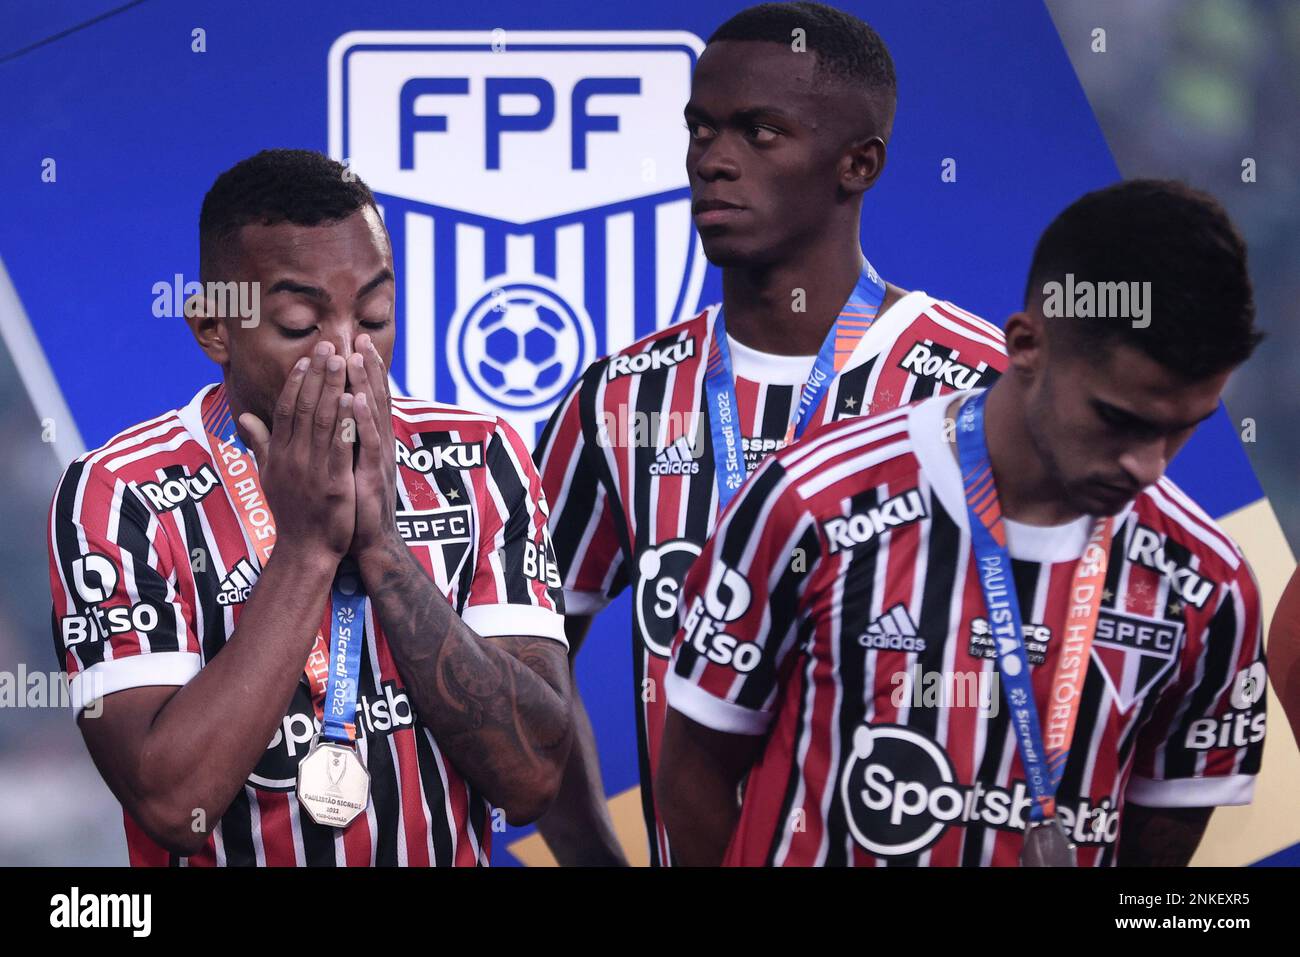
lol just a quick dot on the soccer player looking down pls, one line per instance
(1122, 625)
(405, 671)
(654, 440)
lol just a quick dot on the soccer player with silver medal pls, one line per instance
(1046, 842)
(333, 783)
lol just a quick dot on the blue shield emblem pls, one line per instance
(535, 190)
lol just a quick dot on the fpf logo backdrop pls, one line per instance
(534, 189)
(529, 159)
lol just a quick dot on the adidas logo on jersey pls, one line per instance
(677, 459)
(236, 587)
(650, 361)
(922, 360)
(861, 527)
(892, 631)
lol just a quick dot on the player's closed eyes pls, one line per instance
(303, 333)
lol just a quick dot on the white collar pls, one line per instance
(1033, 543)
(772, 369)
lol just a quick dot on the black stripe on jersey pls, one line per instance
(651, 396)
(1115, 562)
(435, 795)
(590, 420)
(802, 689)
(237, 831)
(317, 840)
(1220, 646)
(852, 387)
(207, 583)
(700, 487)
(448, 481)
(478, 813)
(65, 540)
(748, 514)
(651, 393)
(859, 592)
(776, 409)
(998, 736)
(149, 585)
(943, 552)
(580, 491)
(384, 781)
(517, 522)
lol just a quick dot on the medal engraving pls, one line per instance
(1046, 845)
(333, 783)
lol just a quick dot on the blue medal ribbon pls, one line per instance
(852, 323)
(988, 537)
(347, 628)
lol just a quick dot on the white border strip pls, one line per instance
(29, 358)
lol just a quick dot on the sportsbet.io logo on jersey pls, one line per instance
(901, 794)
(533, 187)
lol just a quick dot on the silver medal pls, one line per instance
(333, 783)
(1047, 845)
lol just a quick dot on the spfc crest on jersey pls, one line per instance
(534, 187)
(1133, 652)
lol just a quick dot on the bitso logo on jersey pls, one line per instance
(533, 188)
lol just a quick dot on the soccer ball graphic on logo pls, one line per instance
(521, 346)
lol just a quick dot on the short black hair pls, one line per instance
(848, 50)
(1201, 308)
(302, 187)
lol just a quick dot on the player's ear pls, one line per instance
(208, 329)
(1026, 334)
(862, 164)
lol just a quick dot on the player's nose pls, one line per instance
(717, 161)
(1146, 463)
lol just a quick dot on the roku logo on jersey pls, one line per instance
(650, 361)
(166, 495)
(861, 527)
(900, 794)
(1147, 548)
(456, 455)
(922, 360)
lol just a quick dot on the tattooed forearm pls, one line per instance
(498, 707)
(1161, 837)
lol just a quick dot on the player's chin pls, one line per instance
(1101, 499)
(725, 248)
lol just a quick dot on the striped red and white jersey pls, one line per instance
(626, 462)
(150, 568)
(838, 612)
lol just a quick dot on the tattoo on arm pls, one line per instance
(497, 706)
(1161, 837)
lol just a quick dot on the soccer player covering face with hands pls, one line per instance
(869, 584)
(299, 605)
(651, 443)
